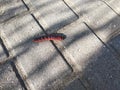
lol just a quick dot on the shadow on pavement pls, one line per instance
(102, 71)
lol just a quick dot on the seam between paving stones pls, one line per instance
(71, 9)
(75, 74)
(78, 17)
(27, 85)
(85, 84)
(110, 7)
(52, 42)
(4, 48)
(117, 55)
(112, 50)
(18, 75)
(107, 46)
(19, 15)
(9, 59)
(16, 69)
(110, 46)
(65, 82)
(47, 34)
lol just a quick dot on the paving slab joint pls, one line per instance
(47, 34)
(71, 9)
(4, 47)
(11, 59)
(18, 75)
(115, 53)
(22, 74)
(5, 50)
(110, 7)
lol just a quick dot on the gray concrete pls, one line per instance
(89, 56)
(39, 64)
(75, 85)
(79, 45)
(8, 79)
(104, 71)
(10, 8)
(82, 7)
(14, 30)
(50, 14)
(103, 24)
(101, 18)
(115, 42)
(3, 55)
(83, 61)
(114, 4)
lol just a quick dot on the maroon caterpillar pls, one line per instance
(53, 36)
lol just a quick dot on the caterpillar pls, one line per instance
(53, 36)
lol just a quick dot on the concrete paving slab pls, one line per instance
(8, 79)
(75, 85)
(14, 33)
(79, 45)
(81, 7)
(104, 72)
(102, 23)
(10, 8)
(100, 17)
(39, 64)
(114, 4)
(86, 53)
(52, 15)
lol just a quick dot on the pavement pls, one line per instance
(88, 59)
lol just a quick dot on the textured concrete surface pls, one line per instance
(10, 8)
(113, 4)
(75, 85)
(50, 14)
(8, 78)
(82, 7)
(3, 55)
(16, 40)
(89, 55)
(88, 59)
(44, 68)
(79, 45)
(103, 72)
(93, 12)
(103, 24)
(115, 42)
(40, 64)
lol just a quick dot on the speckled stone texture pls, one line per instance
(8, 78)
(75, 85)
(87, 54)
(100, 18)
(10, 8)
(39, 64)
(51, 14)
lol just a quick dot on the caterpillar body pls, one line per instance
(53, 36)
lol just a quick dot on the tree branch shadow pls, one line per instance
(102, 71)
